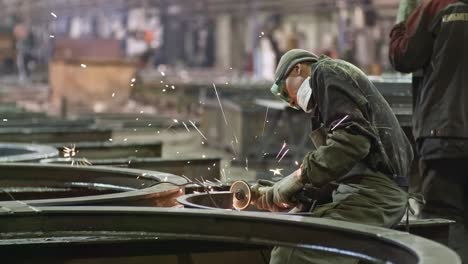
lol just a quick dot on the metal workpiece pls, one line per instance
(114, 150)
(31, 185)
(50, 234)
(10, 152)
(192, 168)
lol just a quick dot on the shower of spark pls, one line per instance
(186, 127)
(220, 105)
(53, 14)
(284, 154)
(196, 128)
(279, 153)
(339, 122)
(69, 152)
(276, 172)
(264, 123)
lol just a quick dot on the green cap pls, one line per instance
(285, 65)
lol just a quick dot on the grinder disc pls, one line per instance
(242, 195)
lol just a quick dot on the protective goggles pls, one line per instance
(279, 90)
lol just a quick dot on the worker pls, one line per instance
(434, 40)
(360, 149)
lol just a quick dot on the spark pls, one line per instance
(5, 120)
(264, 123)
(133, 80)
(131, 85)
(279, 153)
(220, 105)
(163, 74)
(203, 156)
(276, 172)
(175, 121)
(125, 139)
(83, 66)
(163, 90)
(186, 127)
(162, 81)
(149, 125)
(137, 119)
(110, 139)
(52, 36)
(296, 162)
(284, 154)
(246, 164)
(69, 152)
(136, 150)
(53, 14)
(113, 94)
(339, 122)
(196, 128)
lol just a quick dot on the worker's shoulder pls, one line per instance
(433, 7)
(339, 68)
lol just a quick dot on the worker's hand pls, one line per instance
(279, 197)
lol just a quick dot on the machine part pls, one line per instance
(242, 195)
(49, 135)
(25, 152)
(63, 234)
(191, 168)
(31, 185)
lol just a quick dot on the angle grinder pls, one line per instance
(243, 196)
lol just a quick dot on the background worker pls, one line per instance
(434, 39)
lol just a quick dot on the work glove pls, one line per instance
(279, 196)
(405, 9)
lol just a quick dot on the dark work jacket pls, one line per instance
(435, 39)
(340, 89)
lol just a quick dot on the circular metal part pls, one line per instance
(242, 195)
(31, 185)
(147, 235)
(10, 152)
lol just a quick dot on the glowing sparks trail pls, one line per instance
(276, 172)
(70, 152)
(264, 123)
(279, 153)
(220, 105)
(201, 134)
(186, 127)
(341, 121)
(284, 154)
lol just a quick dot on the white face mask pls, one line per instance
(303, 95)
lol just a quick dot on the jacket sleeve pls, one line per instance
(349, 133)
(342, 151)
(411, 42)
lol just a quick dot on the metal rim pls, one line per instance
(361, 241)
(37, 152)
(12, 169)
